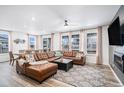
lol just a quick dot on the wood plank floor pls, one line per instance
(9, 78)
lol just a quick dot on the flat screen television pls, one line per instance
(114, 33)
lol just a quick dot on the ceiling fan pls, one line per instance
(66, 23)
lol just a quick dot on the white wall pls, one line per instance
(39, 42)
(111, 55)
(56, 40)
(17, 47)
(105, 45)
(82, 36)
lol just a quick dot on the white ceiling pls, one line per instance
(47, 19)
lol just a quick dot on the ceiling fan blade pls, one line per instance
(66, 23)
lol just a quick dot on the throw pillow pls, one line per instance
(21, 62)
(58, 53)
(69, 54)
(44, 56)
(36, 57)
(78, 55)
(51, 54)
(22, 56)
(29, 58)
(39, 55)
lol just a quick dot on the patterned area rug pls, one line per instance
(90, 75)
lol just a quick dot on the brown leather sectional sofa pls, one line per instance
(50, 56)
(42, 70)
(39, 70)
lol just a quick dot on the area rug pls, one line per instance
(90, 75)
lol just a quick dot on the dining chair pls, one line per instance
(12, 59)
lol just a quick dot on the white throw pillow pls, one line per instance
(21, 62)
(30, 58)
(78, 55)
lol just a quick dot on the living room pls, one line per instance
(60, 46)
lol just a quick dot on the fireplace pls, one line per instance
(119, 61)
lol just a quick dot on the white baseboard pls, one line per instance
(115, 75)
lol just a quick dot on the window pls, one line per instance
(4, 37)
(32, 42)
(65, 42)
(47, 44)
(91, 43)
(75, 42)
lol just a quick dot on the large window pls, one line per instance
(65, 42)
(32, 42)
(91, 43)
(75, 42)
(47, 44)
(4, 37)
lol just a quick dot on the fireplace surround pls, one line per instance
(119, 61)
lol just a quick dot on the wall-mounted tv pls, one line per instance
(115, 34)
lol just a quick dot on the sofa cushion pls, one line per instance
(68, 53)
(44, 56)
(39, 62)
(51, 54)
(39, 56)
(40, 70)
(52, 59)
(36, 57)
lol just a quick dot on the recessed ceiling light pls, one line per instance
(33, 18)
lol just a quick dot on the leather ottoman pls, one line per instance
(42, 71)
